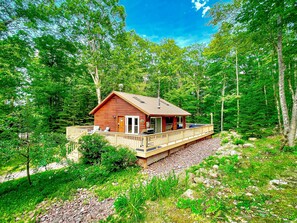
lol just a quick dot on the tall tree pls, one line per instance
(98, 25)
(273, 25)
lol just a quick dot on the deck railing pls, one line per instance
(145, 145)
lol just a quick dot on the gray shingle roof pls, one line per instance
(148, 105)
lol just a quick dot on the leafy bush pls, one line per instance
(92, 147)
(224, 141)
(116, 159)
(290, 149)
(238, 141)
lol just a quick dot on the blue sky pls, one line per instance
(185, 21)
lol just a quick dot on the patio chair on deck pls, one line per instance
(95, 129)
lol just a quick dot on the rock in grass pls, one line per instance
(213, 174)
(190, 194)
(215, 167)
(247, 145)
(198, 180)
(278, 182)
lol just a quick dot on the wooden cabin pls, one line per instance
(137, 114)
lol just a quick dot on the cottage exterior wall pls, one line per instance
(107, 115)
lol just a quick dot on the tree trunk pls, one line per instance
(278, 110)
(28, 165)
(281, 68)
(237, 88)
(222, 105)
(265, 95)
(292, 132)
(96, 80)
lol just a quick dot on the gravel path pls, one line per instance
(84, 208)
(183, 159)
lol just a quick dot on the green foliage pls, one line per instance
(92, 147)
(18, 198)
(96, 150)
(245, 187)
(131, 206)
(158, 188)
(115, 159)
(290, 149)
(238, 141)
(224, 141)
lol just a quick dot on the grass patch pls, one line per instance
(131, 206)
(17, 198)
(13, 165)
(237, 188)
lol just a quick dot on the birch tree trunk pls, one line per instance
(289, 127)
(222, 105)
(281, 83)
(278, 109)
(237, 88)
(292, 132)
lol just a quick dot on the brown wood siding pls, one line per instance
(107, 115)
(174, 124)
(164, 124)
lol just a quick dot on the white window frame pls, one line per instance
(133, 124)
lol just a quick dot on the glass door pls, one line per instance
(132, 124)
(156, 124)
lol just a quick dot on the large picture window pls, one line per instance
(132, 124)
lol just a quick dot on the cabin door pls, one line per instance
(121, 123)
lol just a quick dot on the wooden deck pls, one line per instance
(146, 145)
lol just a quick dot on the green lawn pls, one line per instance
(234, 188)
(17, 198)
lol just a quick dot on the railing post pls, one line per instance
(116, 139)
(167, 138)
(145, 142)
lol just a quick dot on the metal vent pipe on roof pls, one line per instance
(159, 104)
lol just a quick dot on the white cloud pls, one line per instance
(198, 4)
(205, 9)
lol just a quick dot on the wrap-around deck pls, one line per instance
(146, 145)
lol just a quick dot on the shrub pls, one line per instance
(92, 147)
(116, 159)
(237, 141)
(292, 149)
(224, 141)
